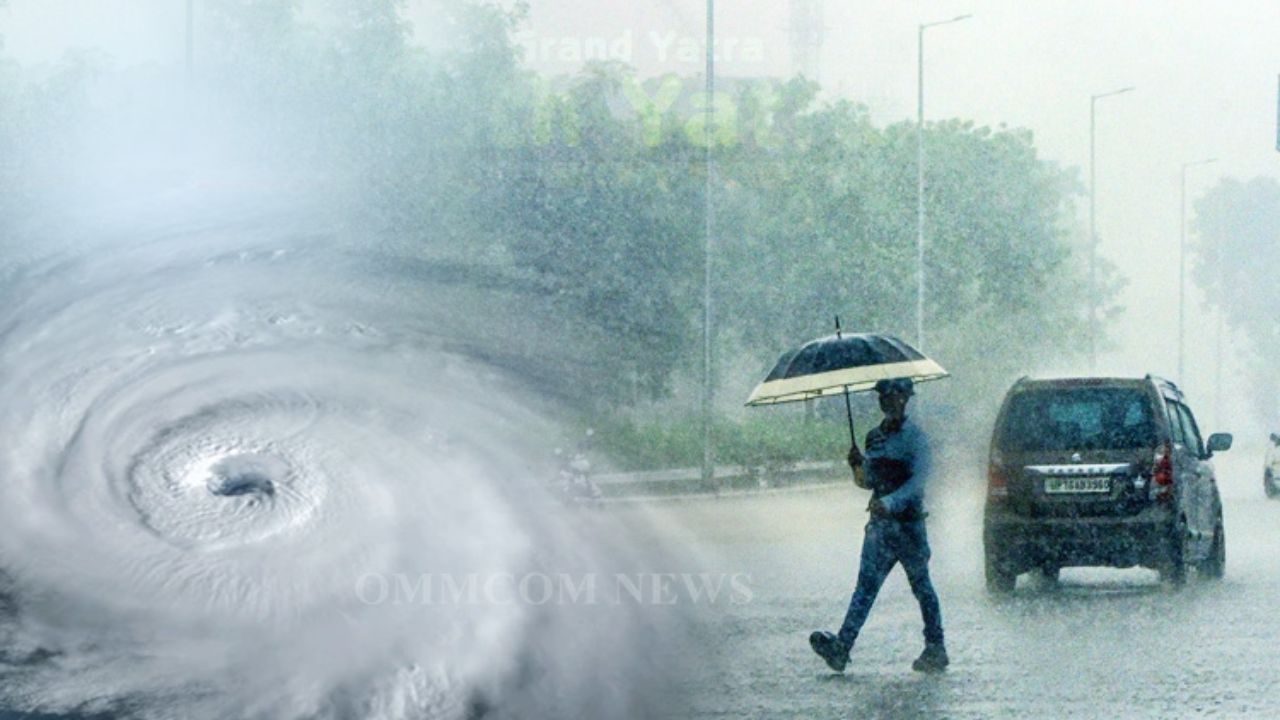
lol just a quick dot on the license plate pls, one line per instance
(1070, 485)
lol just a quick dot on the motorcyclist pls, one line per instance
(575, 483)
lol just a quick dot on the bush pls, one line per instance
(770, 442)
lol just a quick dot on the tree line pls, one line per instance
(589, 191)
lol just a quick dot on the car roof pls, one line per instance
(1166, 387)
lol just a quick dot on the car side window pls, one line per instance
(1175, 423)
(1190, 431)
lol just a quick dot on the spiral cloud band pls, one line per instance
(213, 433)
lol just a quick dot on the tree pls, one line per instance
(826, 223)
(589, 195)
(580, 201)
(816, 207)
(606, 224)
(1237, 257)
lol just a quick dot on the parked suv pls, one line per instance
(1105, 472)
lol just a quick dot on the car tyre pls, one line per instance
(1214, 567)
(1000, 581)
(1174, 570)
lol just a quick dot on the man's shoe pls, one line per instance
(932, 660)
(829, 648)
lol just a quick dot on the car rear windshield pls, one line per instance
(1088, 418)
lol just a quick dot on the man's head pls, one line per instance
(894, 395)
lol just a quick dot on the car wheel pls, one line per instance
(1215, 566)
(1174, 570)
(1269, 486)
(1000, 581)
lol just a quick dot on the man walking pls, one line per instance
(895, 468)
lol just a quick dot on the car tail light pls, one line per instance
(997, 479)
(1162, 474)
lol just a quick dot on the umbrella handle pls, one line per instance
(848, 408)
(853, 436)
(848, 411)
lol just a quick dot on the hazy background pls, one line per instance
(1205, 75)
(318, 178)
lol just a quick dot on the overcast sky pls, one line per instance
(1205, 73)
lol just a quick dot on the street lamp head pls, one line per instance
(1197, 163)
(957, 18)
(1121, 91)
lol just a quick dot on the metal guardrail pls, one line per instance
(729, 475)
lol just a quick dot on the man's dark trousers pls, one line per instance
(886, 543)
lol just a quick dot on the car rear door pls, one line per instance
(1204, 518)
(1186, 461)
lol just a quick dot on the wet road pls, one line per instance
(1104, 643)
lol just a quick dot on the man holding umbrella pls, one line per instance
(895, 468)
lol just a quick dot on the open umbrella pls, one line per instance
(843, 363)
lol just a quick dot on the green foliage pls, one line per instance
(829, 218)
(606, 224)
(587, 196)
(1236, 258)
(760, 441)
(1238, 224)
(592, 191)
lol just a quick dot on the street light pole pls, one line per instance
(920, 173)
(1217, 363)
(1093, 223)
(1182, 266)
(708, 451)
(1219, 270)
(191, 31)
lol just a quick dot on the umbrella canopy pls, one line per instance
(843, 363)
